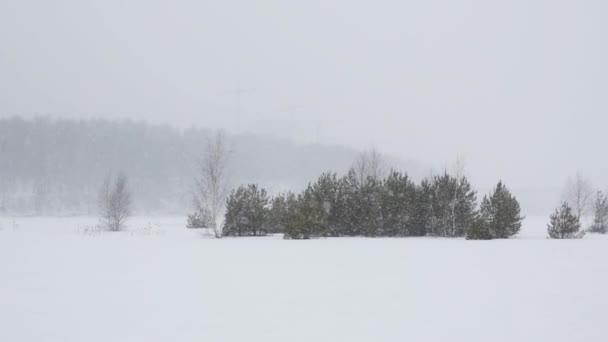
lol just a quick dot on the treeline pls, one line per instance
(55, 166)
(367, 205)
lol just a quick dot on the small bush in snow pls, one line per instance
(564, 224)
(114, 203)
(202, 218)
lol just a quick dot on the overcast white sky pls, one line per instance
(519, 87)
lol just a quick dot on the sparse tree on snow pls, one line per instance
(369, 164)
(458, 172)
(211, 180)
(600, 214)
(578, 192)
(114, 203)
(200, 219)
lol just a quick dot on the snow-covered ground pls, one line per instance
(62, 281)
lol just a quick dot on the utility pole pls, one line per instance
(238, 92)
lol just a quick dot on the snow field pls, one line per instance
(62, 281)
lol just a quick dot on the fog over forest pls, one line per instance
(57, 166)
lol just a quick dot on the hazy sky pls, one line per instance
(519, 87)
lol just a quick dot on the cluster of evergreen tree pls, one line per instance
(247, 212)
(443, 205)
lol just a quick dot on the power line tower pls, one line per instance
(239, 92)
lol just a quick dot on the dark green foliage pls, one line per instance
(600, 214)
(564, 224)
(246, 212)
(318, 212)
(349, 203)
(453, 203)
(331, 206)
(324, 194)
(200, 219)
(478, 230)
(369, 208)
(305, 218)
(501, 212)
(359, 206)
(423, 209)
(277, 214)
(398, 205)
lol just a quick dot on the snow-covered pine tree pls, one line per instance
(501, 212)
(564, 224)
(600, 214)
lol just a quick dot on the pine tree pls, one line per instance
(247, 212)
(277, 213)
(369, 214)
(478, 230)
(600, 214)
(464, 208)
(453, 204)
(564, 224)
(501, 212)
(398, 198)
(350, 203)
(235, 223)
(324, 193)
(423, 210)
(304, 218)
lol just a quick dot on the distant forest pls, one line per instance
(51, 166)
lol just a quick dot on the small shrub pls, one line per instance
(564, 224)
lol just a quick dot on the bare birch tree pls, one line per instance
(369, 164)
(600, 213)
(114, 203)
(578, 192)
(458, 172)
(211, 180)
